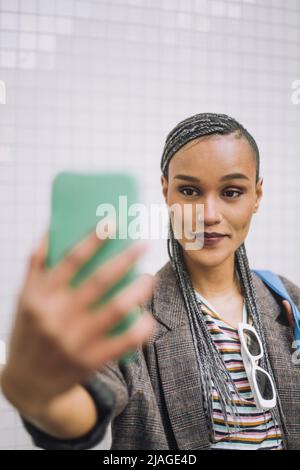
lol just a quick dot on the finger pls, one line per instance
(114, 347)
(107, 275)
(65, 270)
(289, 313)
(114, 311)
(37, 259)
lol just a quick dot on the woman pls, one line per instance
(188, 388)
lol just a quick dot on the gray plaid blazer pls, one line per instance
(156, 401)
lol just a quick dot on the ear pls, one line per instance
(259, 193)
(164, 184)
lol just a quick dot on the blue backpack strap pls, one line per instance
(275, 283)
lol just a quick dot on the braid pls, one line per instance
(212, 370)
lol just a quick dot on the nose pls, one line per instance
(212, 213)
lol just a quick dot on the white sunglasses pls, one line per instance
(260, 381)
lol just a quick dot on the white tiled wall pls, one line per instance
(94, 84)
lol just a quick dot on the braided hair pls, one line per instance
(212, 370)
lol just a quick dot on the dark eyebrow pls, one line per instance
(231, 176)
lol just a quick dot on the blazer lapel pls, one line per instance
(178, 367)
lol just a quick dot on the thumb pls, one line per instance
(289, 313)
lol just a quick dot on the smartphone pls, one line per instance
(80, 203)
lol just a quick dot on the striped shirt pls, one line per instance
(258, 430)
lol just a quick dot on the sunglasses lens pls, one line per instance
(252, 343)
(264, 385)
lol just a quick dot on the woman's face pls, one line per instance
(195, 176)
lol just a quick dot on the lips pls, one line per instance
(213, 235)
(212, 240)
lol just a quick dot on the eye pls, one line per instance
(188, 188)
(239, 193)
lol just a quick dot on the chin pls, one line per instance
(208, 256)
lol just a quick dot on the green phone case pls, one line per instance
(74, 201)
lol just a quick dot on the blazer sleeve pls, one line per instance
(109, 391)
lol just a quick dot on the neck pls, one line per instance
(214, 281)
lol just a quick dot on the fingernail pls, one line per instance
(108, 229)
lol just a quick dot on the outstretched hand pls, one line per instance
(55, 343)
